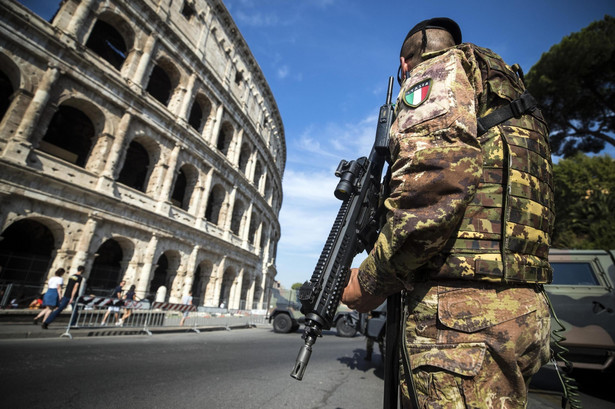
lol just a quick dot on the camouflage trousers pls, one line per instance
(474, 344)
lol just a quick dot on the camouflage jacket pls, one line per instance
(463, 205)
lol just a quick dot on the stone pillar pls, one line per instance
(107, 178)
(83, 246)
(18, 148)
(144, 61)
(188, 98)
(235, 295)
(213, 138)
(230, 205)
(78, 18)
(169, 177)
(190, 270)
(148, 263)
(202, 205)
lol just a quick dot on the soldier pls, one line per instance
(468, 225)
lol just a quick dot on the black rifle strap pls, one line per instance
(405, 359)
(515, 109)
(391, 351)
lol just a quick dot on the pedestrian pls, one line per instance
(186, 300)
(129, 303)
(52, 296)
(468, 226)
(37, 302)
(116, 299)
(70, 293)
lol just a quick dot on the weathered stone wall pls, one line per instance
(54, 71)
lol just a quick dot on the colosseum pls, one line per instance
(141, 140)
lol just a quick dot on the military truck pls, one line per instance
(583, 296)
(285, 315)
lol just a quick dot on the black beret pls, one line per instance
(441, 23)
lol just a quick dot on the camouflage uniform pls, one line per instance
(467, 231)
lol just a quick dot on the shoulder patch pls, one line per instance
(418, 93)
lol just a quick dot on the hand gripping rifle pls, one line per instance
(355, 229)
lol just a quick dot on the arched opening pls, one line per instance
(236, 221)
(225, 289)
(69, 136)
(245, 287)
(179, 191)
(225, 137)
(201, 280)
(254, 222)
(258, 173)
(244, 157)
(214, 205)
(160, 275)
(108, 43)
(136, 166)
(26, 248)
(195, 119)
(106, 271)
(160, 85)
(6, 93)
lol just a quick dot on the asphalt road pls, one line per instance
(247, 368)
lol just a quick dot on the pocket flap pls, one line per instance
(471, 310)
(464, 359)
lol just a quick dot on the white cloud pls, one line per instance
(283, 71)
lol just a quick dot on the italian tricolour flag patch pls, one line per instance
(418, 93)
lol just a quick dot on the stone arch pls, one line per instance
(10, 77)
(202, 275)
(71, 133)
(163, 80)
(185, 182)
(258, 174)
(140, 156)
(111, 38)
(164, 273)
(254, 225)
(27, 249)
(237, 219)
(246, 284)
(199, 112)
(228, 279)
(244, 157)
(215, 202)
(109, 267)
(225, 138)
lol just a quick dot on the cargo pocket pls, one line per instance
(438, 370)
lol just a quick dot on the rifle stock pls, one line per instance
(354, 230)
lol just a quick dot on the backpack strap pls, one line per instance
(515, 109)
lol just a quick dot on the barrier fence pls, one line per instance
(92, 312)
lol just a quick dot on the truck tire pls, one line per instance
(345, 330)
(282, 324)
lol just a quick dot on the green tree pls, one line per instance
(574, 83)
(296, 286)
(584, 202)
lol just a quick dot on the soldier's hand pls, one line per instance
(357, 299)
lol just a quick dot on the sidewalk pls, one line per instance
(17, 324)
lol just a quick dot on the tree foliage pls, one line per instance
(296, 286)
(574, 83)
(584, 202)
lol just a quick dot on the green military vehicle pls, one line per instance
(285, 315)
(583, 296)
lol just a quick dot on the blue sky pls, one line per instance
(327, 63)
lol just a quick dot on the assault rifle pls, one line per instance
(355, 229)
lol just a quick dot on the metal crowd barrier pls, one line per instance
(89, 311)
